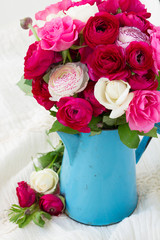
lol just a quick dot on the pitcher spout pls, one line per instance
(71, 142)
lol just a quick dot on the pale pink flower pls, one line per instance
(130, 34)
(68, 79)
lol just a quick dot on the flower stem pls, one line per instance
(34, 32)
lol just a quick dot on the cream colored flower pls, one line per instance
(68, 79)
(114, 95)
(44, 181)
(83, 12)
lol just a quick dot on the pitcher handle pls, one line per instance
(142, 147)
(144, 143)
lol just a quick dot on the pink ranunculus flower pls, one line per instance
(59, 34)
(75, 113)
(67, 80)
(146, 81)
(51, 204)
(155, 43)
(26, 195)
(130, 34)
(144, 110)
(37, 60)
(139, 56)
(88, 94)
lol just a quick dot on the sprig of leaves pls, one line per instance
(52, 159)
(26, 86)
(23, 216)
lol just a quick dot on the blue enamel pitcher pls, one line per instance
(98, 177)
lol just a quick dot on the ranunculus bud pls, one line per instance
(114, 95)
(51, 204)
(68, 79)
(25, 22)
(44, 181)
(130, 34)
(26, 195)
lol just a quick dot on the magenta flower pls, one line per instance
(88, 94)
(37, 61)
(75, 113)
(112, 6)
(107, 61)
(51, 204)
(144, 110)
(41, 93)
(139, 56)
(101, 29)
(144, 81)
(26, 195)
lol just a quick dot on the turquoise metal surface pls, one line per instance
(98, 178)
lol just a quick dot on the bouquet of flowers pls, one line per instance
(95, 66)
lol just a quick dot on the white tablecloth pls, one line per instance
(22, 134)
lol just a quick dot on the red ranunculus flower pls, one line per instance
(146, 81)
(41, 93)
(26, 195)
(37, 60)
(107, 61)
(88, 94)
(75, 113)
(139, 56)
(101, 29)
(51, 204)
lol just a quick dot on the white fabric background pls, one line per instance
(22, 134)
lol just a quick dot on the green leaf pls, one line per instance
(53, 113)
(27, 220)
(46, 159)
(158, 78)
(46, 77)
(74, 47)
(93, 123)
(24, 85)
(37, 219)
(63, 201)
(36, 168)
(28, 82)
(46, 215)
(121, 120)
(21, 220)
(109, 121)
(128, 137)
(93, 133)
(151, 133)
(57, 126)
(15, 217)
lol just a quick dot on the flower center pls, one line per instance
(140, 57)
(101, 27)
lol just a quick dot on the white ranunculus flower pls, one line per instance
(114, 95)
(44, 181)
(67, 80)
(82, 13)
